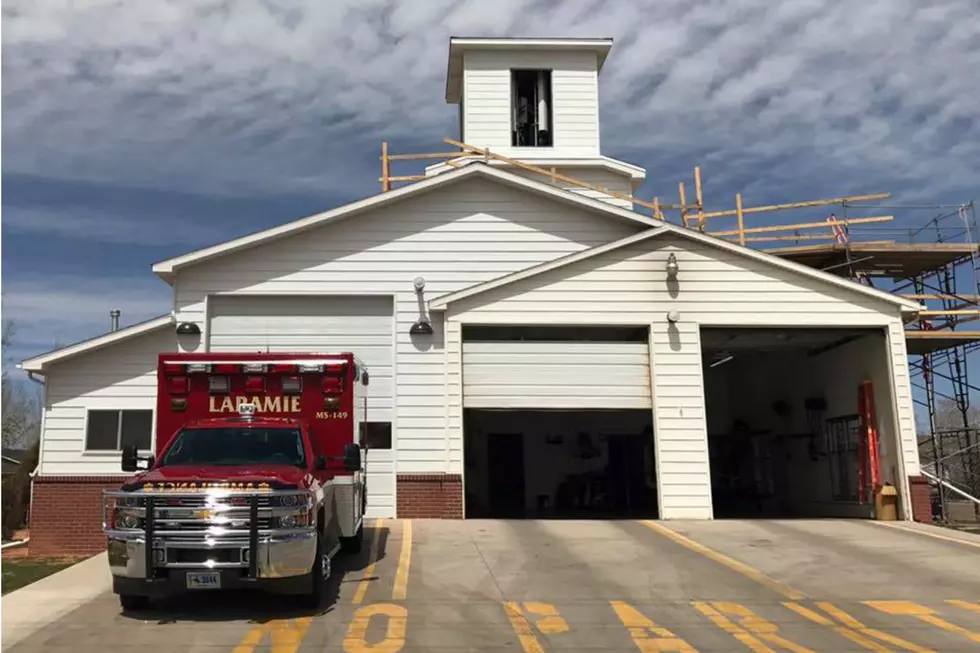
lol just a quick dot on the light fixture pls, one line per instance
(673, 316)
(420, 328)
(419, 284)
(672, 266)
(188, 328)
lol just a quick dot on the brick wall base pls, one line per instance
(66, 514)
(430, 495)
(921, 495)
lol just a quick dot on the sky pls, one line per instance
(137, 131)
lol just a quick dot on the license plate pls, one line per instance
(208, 580)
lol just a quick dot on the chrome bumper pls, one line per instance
(277, 556)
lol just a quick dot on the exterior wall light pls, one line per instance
(672, 266)
(188, 328)
(673, 317)
(419, 284)
(420, 328)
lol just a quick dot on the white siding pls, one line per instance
(575, 95)
(363, 325)
(569, 375)
(123, 376)
(629, 286)
(614, 181)
(463, 234)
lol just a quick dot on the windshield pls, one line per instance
(236, 445)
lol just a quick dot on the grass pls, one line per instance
(18, 572)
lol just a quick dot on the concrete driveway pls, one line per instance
(599, 586)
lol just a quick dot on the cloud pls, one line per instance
(56, 310)
(807, 98)
(88, 225)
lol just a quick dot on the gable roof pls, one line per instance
(166, 269)
(906, 305)
(39, 363)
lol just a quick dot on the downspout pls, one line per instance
(40, 445)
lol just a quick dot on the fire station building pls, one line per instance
(535, 349)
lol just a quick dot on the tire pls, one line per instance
(134, 602)
(354, 543)
(318, 582)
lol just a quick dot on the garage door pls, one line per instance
(556, 368)
(362, 325)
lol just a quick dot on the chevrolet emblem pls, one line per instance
(204, 514)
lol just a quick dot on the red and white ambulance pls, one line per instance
(256, 480)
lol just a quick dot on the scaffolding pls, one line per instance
(936, 263)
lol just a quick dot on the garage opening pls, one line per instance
(556, 464)
(783, 415)
(558, 422)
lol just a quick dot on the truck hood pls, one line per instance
(194, 477)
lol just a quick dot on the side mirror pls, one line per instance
(365, 377)
(352, 457)
(130, 461)
(320, 463)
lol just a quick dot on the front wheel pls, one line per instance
(353, 543)
(318, 577)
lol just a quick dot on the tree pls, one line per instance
(21, 419)
(21, 425)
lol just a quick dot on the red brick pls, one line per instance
(430, 495)
(66, 514)
(921, 495)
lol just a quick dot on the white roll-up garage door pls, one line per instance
(563, 375)
(362, 325)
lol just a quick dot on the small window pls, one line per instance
(111, 430)
(376, 435)
(531, 111)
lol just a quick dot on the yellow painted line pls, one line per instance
(394, 640)
(761, 628)
(735, 565)
(922, 613)
(850, 634)
(926, 533)
(648, 636)
(286, 635)
(728, 626)
(551, 622)
(966, 605)
(529, 643)
(861, 630)
(362, 587)
(404, 563)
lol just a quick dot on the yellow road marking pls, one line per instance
(735, 565)
(552, 623)
(362, 587)
(529, 643)
(648, 636)
(966, 605)
(922, 613)
(840, 615)
(905, 529)
(286, 635)
(404, 562)
(763, 629)
(394, 641)
(727, 625)
(850, 634)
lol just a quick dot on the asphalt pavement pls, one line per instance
(532, 586)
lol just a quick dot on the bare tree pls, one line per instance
(21, 419)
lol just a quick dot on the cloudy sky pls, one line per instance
(134, 131)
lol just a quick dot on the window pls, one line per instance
(530, 108)
(376, 435)
(843, 439)
(111, 430)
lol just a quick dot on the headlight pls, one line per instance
(127, 520)
(288, 500)
(289, 521)
(128, 502)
